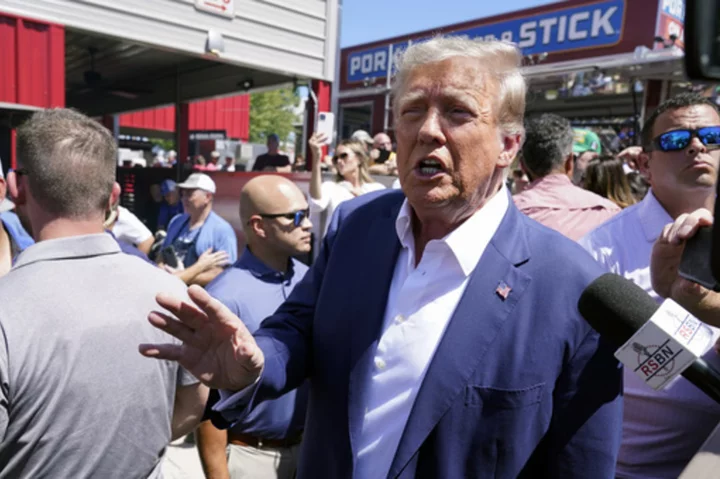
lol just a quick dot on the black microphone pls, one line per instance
(616, 308)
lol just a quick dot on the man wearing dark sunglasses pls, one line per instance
(275, 220)
(680, 160)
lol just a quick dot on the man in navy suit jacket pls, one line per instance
(438, 329)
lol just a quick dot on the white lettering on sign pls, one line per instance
(366, 64)
(527, 35)
(369, 62)
(224, 8)
(547, 24)
(507, 36)
(602, 21)
(574, 33)
(674, 7)
(578, 26)
(354, 64)
(562, 29)
(380, 60)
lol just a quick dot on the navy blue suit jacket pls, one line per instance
(518, 387)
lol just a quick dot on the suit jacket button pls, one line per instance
(379, 363)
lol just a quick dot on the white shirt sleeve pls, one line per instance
(327, 190)
(129, 228)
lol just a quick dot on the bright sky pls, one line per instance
(365, 21)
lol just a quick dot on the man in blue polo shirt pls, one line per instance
(265, 443)
(197, 231)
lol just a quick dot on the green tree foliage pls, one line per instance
(272, 112)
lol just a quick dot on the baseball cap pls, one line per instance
(200, 181)
(586, 140)
(362, 136)
(167, 186)
(215, 154)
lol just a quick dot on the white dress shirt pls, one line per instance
(662, 430)
(421, 301)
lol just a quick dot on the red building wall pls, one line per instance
(162, 119)
(32, 62)
(231, 114)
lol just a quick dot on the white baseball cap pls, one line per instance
(200, 181)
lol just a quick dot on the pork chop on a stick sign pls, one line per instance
(593, 25)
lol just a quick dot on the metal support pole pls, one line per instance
(388, 83)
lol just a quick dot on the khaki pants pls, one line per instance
(245, 462)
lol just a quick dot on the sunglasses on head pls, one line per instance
(341, 156)
(677, 140)
(297, 217)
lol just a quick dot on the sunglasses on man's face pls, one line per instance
(677, 140)
(297, 217)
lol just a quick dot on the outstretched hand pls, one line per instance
(216, 346)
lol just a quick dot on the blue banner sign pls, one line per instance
(587, 26)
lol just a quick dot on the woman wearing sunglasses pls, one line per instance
(352, 178)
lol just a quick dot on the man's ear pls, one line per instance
(115, 194)
(257, 227)
(510, 148)
(643, 163)
(16, 189)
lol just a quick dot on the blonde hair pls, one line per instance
(359, 150)
(502, 61)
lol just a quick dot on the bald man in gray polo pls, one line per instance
(77, 400)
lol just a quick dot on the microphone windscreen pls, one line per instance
(616, 307)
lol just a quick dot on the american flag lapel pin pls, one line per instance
(503, 290)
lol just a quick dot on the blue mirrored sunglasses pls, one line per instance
(677, 140)
(297, 217)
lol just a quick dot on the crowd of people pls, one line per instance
(436, 333)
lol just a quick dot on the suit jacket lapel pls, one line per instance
(480, 314)
(367, 322)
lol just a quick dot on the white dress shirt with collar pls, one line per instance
(421, 301)
(662, 430)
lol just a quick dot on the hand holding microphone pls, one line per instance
(618, 309)
(679, 266)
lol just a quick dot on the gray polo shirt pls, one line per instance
(76, 397)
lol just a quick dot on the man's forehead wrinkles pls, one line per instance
(438, 91)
